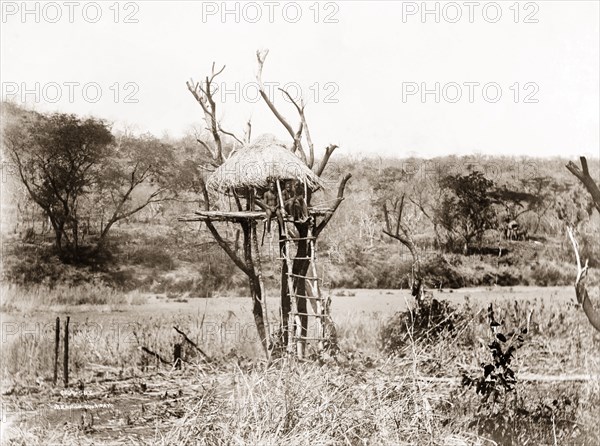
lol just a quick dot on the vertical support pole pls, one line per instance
(294, 324)
(281, 203)
(56, 345)
(258, 266)
(306, 197)
(320, 319)
(177, 355)
(66, 357)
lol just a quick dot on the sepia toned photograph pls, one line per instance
(310, 223)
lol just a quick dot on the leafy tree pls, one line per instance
(466, 209)
(515, 202)
(71, 167)
(57, 158)
(141, 171)
(544, 191)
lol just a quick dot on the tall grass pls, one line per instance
(364, 396)
(39, 297)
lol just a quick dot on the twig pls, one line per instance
(156, 355)
(192, 343)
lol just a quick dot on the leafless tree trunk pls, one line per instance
(402, 233)
(249, 263)
(204, 95)
(583, 298)
(301, 264)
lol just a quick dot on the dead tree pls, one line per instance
(248, 261)
(204, 93)
(400, 231)
(303, 253)
(581, 292)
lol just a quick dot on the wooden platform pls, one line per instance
(243, 215)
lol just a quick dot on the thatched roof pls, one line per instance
(256, 164)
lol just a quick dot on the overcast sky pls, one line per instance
(510, 79)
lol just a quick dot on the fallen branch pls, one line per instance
(156, 355)
(529, 377)
(192, 343)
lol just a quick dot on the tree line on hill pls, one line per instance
(78, 180)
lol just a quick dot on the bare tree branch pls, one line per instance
(207, 147)
(298, 135)
(248, 132)
(328, 152)
(585, 178)
(261, 56)
(231, 134)
(338, 201)
(205, 97)
(219, 239)
(581, 292)
(403, 234)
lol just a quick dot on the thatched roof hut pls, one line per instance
(264, 160)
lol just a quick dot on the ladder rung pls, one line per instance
(298, 296)
(304, 277)
(302, 338)
(310, 314)
(294, 258)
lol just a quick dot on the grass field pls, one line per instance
(120, 395)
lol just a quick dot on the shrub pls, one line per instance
(439, 272)
(544, 273)
(152, 257)
(502, 415)
(429, 321)
(497, 378)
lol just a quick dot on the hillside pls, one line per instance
(151, 251)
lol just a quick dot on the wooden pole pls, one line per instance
(66, 357)
(158, 358)
(294, 322)
(56, 344)
(258, 266)
(177, 355)
(192, 343)
(281, 203)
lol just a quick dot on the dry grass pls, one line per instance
(62, 298)
(365, 397)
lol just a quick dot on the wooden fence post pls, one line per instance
(177, 355)
(56, 344)
(66, 357)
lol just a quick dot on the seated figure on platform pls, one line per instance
(288, 197)
(272, 207)
(299, 207)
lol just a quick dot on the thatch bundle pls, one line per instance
(256, 164)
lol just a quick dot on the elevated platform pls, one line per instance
(243, 215)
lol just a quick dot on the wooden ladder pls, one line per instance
(313, 295)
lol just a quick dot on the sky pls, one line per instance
(379, 78)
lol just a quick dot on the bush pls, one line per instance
(394, 273)
(439, 272)
(515, 421)
(428, 322)
(39, 265)
(151, 257)
(507, 418)
(544, 273)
